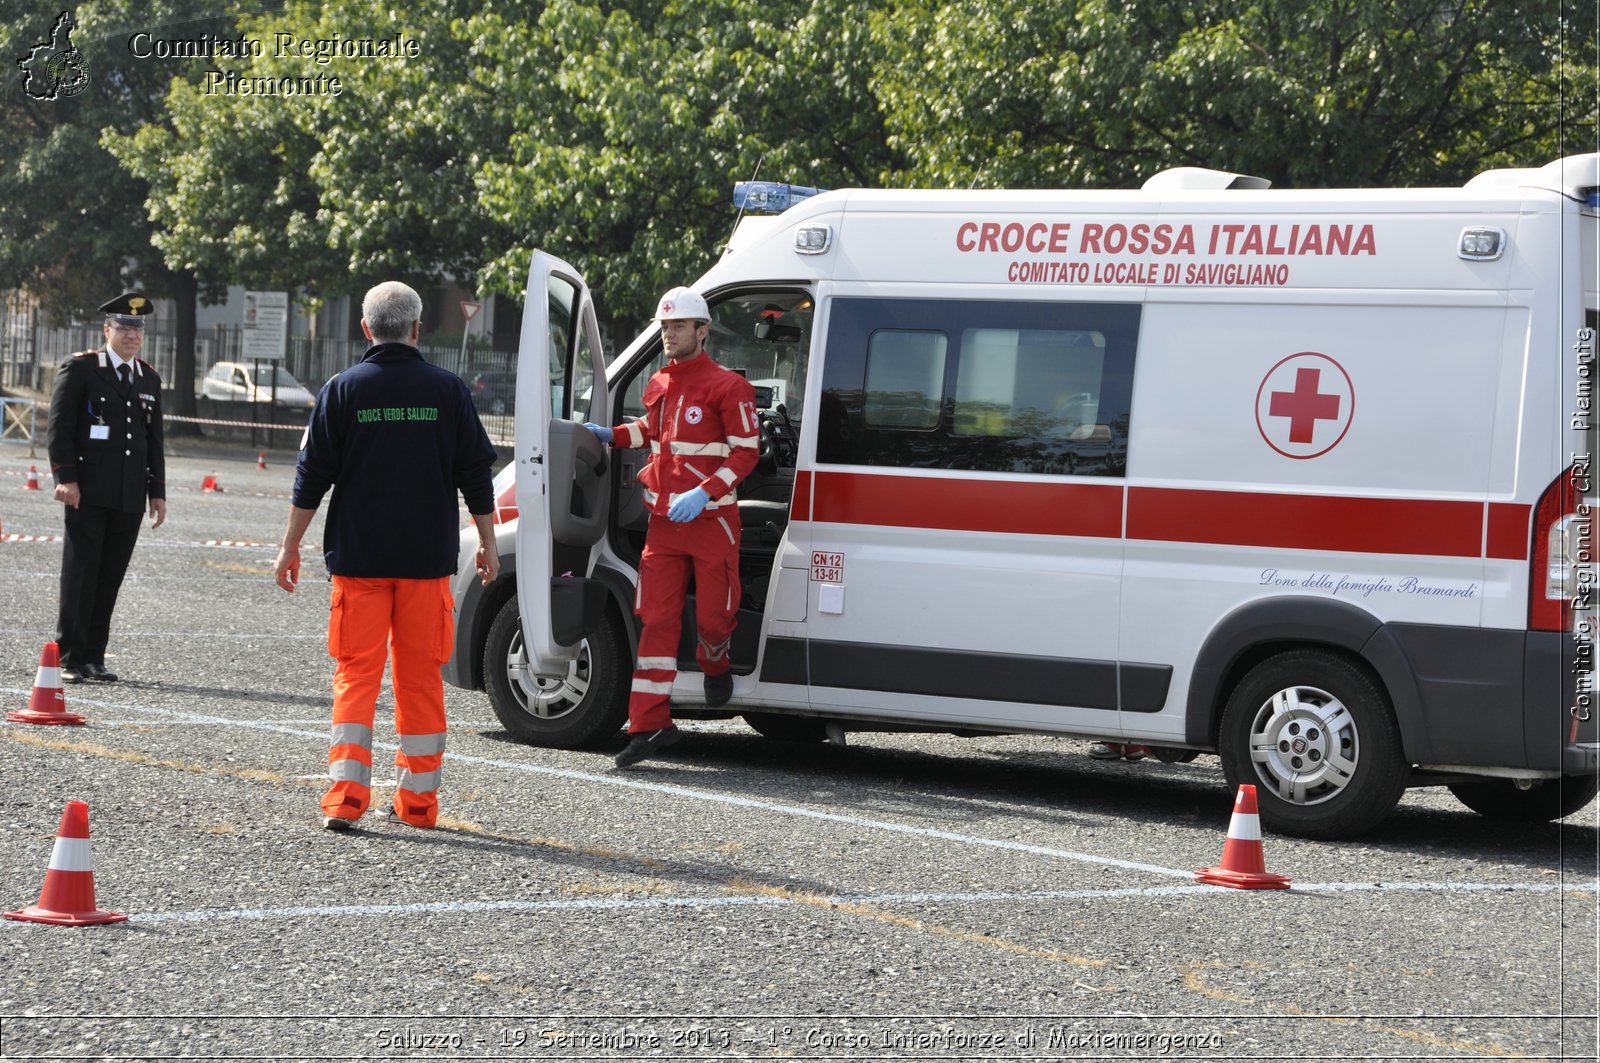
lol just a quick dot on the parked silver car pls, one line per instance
(243, 382)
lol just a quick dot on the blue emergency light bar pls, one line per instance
(770, 197)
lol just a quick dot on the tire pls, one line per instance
(497, 406)
(782, 728)
(1314, 733)
(1546, 800)
(582, 709)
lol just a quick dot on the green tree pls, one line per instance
(368, 176)
(634, 121)
(73, 229)
(1074, 93)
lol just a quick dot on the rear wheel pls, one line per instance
(1313, 731)
(787, 728)
(578, 710)
(1545, 800)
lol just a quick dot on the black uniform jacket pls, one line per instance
(106, 438)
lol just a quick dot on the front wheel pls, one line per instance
(1314, 733)
(1545, 800)
(578, 710)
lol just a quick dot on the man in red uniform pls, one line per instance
(700, 425)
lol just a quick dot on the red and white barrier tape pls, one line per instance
(225, 544)
(232, 424)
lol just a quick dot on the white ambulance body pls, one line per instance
(1299, 477)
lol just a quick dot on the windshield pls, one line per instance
(764, 335)
(267, 375)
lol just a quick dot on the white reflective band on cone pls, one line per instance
(1244, 827)
(71, 854)
(47, 677)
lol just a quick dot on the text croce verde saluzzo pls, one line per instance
(375, 414)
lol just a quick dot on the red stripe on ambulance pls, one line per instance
(1429, 527)
(1093, 510)
(1412, 526)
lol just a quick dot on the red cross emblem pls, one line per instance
(1304, 405)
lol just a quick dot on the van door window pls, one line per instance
(905, 379)
(1040, 388)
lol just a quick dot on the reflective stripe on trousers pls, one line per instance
(408, 624)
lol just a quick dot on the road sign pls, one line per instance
(266, 325)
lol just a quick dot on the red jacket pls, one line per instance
(700, 424)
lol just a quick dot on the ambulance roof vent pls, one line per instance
(1200, 179)
(1575, 177)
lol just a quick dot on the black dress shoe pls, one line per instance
(98, 672)
(72, 673)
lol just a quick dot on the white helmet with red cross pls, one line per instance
(681, 304)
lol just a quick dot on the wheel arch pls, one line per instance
(1257, 630)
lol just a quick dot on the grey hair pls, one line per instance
(390, 309)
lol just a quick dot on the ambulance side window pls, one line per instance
(1040, 388)
(905, 379)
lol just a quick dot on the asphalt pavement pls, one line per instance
(903, 897)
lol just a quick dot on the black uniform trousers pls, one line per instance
(98, 546)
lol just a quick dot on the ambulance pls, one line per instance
(1298, 477)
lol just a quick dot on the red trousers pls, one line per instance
(709, 545)
(414, 619)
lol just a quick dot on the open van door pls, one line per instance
(563, 472)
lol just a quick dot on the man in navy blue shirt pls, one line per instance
(395, 438)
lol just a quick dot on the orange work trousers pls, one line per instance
(414, 619)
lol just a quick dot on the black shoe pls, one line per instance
(98, 672)
(647, 744)
(719, 688)
(73, 673)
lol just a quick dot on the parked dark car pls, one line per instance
(494, 392)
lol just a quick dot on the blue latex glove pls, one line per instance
(688, 505)
(603, 433)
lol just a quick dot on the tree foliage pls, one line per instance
(633, 123)
(1073, 93)
(323, 192)
(610, 132)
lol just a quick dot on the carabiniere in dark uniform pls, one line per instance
(107, 459)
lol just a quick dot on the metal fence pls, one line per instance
(29, 354)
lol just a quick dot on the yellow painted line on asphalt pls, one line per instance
(130, 756)
(743, 887)
(736, 886)
(1195, 982)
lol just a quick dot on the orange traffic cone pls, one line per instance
(32, 483)
(211, 483)
(49, 701)
(1244, 863)
(261, 459)
(68, 896)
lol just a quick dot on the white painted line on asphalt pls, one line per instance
(674, 791)
(807, 813)
(212, 635)
(767, 900)
(198, 723)
(707, 796)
